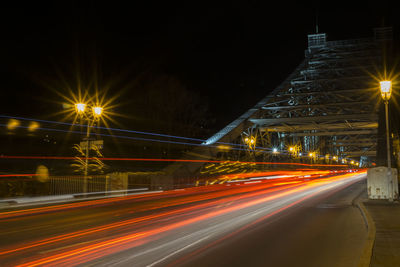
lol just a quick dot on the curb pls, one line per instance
(365, 259)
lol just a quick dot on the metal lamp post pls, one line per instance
(91, 118)
(386, 91)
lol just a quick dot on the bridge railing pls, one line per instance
(30, 186)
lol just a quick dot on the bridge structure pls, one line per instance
(326, 109)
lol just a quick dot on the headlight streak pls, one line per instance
(159, 215)
(55, 208)
(90, 252)
(139, 197)
(246, 226)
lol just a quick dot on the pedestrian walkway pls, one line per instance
(386, 216)
(45, 200)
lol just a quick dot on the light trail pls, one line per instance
(126, 131)
(55, 208)
(259, 149)
(101, 249)
(241, 197)
(175, 160)
(102, 128)
(191, 190)
(18, 175)
(266, 189)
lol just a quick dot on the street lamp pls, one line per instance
(91, 118)
(97, 111)
(80, 107)
(386, 91)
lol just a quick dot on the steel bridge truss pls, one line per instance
(328, 105)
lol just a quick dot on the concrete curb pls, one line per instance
(365, 259)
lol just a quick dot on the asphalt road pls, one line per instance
(279, 222)
(323, 231)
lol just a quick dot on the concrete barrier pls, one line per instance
(380, 185)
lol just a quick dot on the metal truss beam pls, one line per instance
(302, 81)
(333, 92)
(360, 153)
(339, 133)
(351, 140)
(355, 117)
(317, 106)
(322, 126)
(357, 144)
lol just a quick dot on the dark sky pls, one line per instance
(231, 54)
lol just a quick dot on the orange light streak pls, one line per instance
(18, 175)
(107, 247)
(149, 217)
(32, 211)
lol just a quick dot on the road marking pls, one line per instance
(176, 252)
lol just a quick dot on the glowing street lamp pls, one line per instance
(97, 111)
(80, 107)
(386, 91)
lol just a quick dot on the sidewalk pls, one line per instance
(386, 217)
(48, 200)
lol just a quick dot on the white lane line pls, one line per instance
(179, 250)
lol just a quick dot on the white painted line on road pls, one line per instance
(179, 250)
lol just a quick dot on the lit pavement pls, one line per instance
(306, 220)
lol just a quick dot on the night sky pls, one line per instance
(229, 55)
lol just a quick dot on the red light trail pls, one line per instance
(185, 208)
(174, 160)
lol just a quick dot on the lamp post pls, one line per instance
(386, 91)
(91, 118)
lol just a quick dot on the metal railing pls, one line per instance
(61, 185)
(29, 186)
